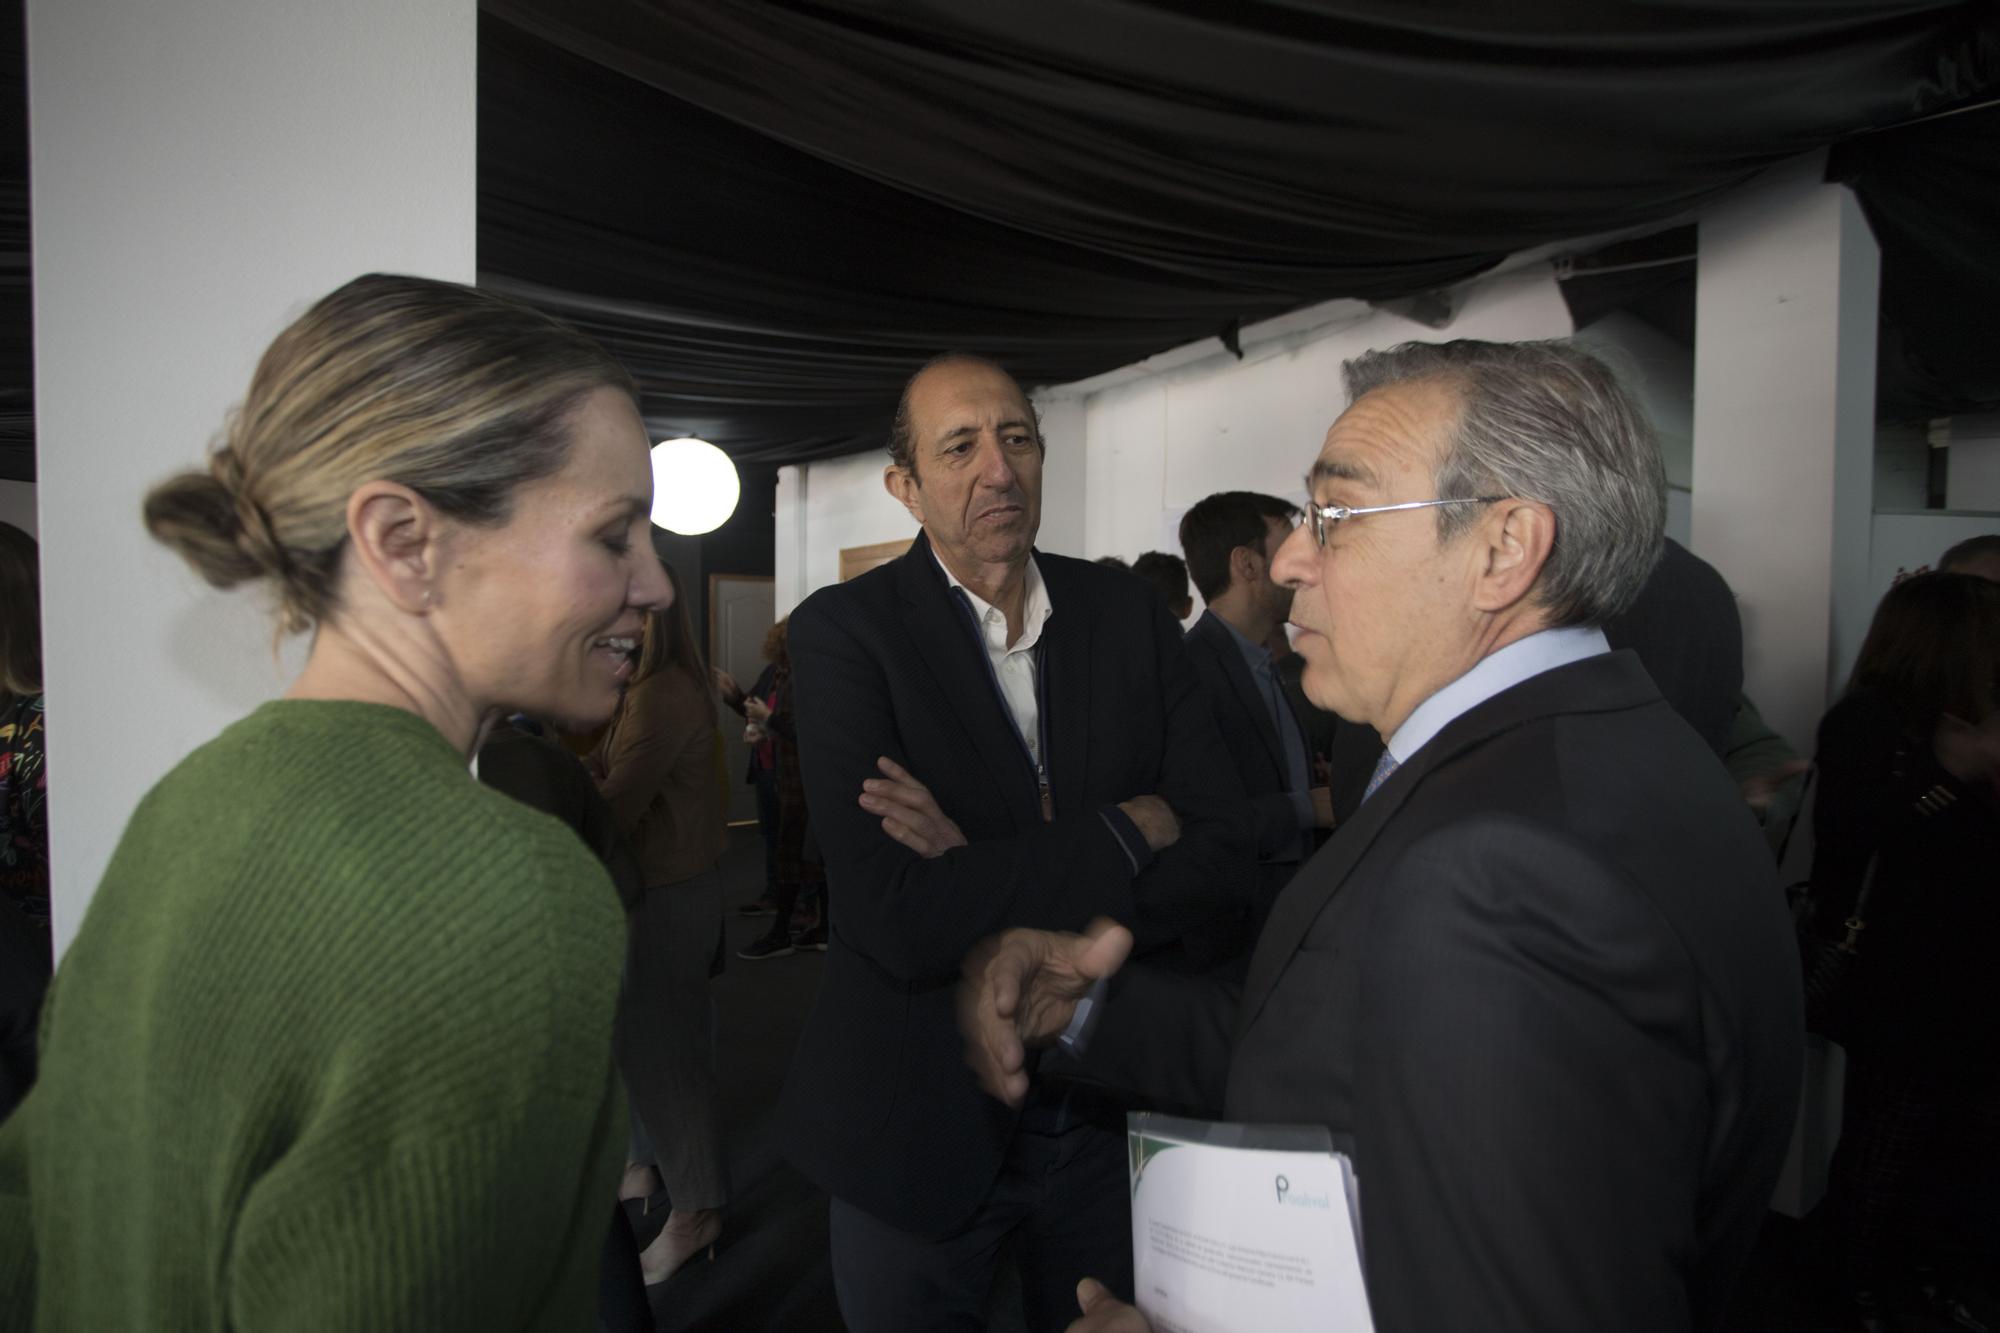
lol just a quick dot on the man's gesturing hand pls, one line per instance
(910, 814)
(1020, 990)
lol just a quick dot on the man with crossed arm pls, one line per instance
(991, 736)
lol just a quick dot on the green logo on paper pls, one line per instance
(1143, 1150)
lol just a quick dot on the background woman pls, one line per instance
(331, 1049)
(763, 766)
(662, 777)
(798, 873)
(24, 831)
(1908, 762)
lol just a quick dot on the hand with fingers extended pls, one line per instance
(1105, 1313)
(909, 812)
(1020, 990)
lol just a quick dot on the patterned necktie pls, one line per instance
(1383, 768)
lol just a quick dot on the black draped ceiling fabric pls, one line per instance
(1931, 193)
(770, 301)
(774, 210)
(1932, 196)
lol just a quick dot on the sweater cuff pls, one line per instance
(1137, 850)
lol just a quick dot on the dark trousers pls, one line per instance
(1916, 1170)
(767, 825)
(1062, 1198)
(665, 1037)
(621, 1288)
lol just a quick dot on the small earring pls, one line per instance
(430, 598)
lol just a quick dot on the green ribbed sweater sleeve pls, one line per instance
(330, 1052)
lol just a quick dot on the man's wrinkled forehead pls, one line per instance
(961, 397)
(1386, 434)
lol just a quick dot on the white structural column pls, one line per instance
(201, 172)
(1064, 476)
(1784, 425)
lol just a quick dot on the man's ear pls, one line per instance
(394, 533)
(1514, 544)
(902, 483)
(1242, 566)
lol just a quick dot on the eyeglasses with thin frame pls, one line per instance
(1322, 518)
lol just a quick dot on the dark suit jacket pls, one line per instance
(1544, 982)
(1349, 749)
(1244, 720)
(539, 773)
(879, 1108)
(1686, 629)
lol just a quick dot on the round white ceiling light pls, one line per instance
(695, 486)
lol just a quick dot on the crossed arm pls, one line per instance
(915, 905)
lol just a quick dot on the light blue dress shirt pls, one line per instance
(1542, 651)
(1521, 660)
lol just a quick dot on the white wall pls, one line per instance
(1128, 452)
(824, 508)
(1912, 539)
(1972, 467)
(17, 506)
(1161, 443)
(1902, 466)
(1661, 373)
(202, 171)
(1785, 429)
(1065, 473)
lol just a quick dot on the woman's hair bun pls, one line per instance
(202, 516)
(461, 395)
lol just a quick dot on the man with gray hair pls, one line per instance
(1541, 982)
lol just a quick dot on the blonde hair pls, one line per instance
(459, 394)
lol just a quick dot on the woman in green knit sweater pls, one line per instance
(332, 1049)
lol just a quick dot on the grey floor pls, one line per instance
(771, 1271)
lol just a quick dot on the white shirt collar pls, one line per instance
(1542, 651)
(1035, 608)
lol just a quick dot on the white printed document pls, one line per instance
(1240, 1227)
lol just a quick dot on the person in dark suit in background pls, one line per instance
(1543, 980)
(1230, 540)
(1169, 574)
(1686, 629)
(1072, 769)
